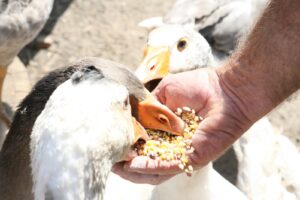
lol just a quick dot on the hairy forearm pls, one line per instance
(266, 68)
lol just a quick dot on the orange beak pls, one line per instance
(155, 64)
(139, 131)
(151, 113)
(154, 115)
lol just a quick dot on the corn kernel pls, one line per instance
(181, 166)
(178, 112)
(187, 109)
(190, 168)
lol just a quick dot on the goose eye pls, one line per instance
(182, 44)
(126, 103)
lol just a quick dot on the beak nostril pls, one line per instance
(152, 67)
(163, 119)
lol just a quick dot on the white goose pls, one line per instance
(221, 22)
(266, 160)
(73, 126)
(20, 22)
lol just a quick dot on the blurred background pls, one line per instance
(107, 29)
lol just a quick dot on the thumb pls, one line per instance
(159, 92)
(212, 138)
(142, 164)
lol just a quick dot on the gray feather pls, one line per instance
(221, 22)
(20, 22)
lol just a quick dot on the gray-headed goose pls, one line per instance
(72, 127)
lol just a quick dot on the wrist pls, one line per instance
(247, 90)
(265, 70)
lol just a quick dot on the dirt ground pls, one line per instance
(108, 29)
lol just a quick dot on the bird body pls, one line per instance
(205, 183)
(67, 138)
(118, 188)
(268, 164)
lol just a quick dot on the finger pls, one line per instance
(153, 179)
(145, 165)
(206, 146)
(210, 142)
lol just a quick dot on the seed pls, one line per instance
(152, 155)
(165, 146)
(187, 109)
(181, 166)
(179, 111)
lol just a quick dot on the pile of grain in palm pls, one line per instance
(165, 146)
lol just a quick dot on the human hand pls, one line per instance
(224, 121)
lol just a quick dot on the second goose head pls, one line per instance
(173, 49)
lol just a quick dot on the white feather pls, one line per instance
(268, 164)
(205, 183)
(82, 131)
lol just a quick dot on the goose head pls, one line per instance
(145, 108)
(172, 49)
(79, 135)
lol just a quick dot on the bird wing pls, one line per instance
(20, 22)
(184, 11)
(226, 25)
